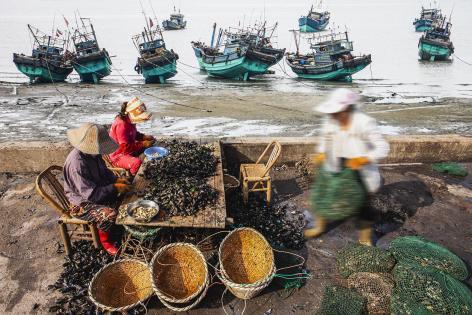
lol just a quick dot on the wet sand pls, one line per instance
(45, 111)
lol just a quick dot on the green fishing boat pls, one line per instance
(238, 58)
(90, 62)
(49, 61)
(435, 44)
(330, 59)
(156, 63)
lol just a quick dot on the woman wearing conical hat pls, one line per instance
(350, 139)
(89, 185)
(131, 142)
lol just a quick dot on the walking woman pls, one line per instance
(349, 139)
(131, 142)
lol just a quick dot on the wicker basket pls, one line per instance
(179, 273)
(246, 262)
(121, 285)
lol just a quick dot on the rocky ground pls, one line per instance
(31, 259)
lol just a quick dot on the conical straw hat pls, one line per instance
(91, 139)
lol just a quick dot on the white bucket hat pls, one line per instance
(91, 139)
(137, 111)
(338, 101)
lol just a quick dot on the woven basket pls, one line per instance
(179, 273)
(121, 285)
(246, 262)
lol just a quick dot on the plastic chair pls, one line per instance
(255, 177)
(49, 187)
(119, 172)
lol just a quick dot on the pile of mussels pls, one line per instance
(282, 224)
(179, 180)
(74, 280)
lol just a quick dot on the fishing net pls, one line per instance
(361, 258)
(426, 290)
(336, 196)
(450, 168)
(427, 253)
(341, 300)
(376, 288)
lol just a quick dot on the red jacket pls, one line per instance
(125, 134)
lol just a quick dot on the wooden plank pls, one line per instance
(212, 216)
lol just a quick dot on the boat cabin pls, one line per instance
(332, 44)
(42, 50)
(430, 14)
(86, 47)
(151, 46)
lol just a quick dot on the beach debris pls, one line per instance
(179, 180)
(450, 168)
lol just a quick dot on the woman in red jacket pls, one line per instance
(131, 142)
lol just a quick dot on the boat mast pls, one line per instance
(93, 33)
(34, 35)
(294, 32)
(213, 35)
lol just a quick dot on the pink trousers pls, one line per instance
(128, 162)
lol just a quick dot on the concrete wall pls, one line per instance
(36, 156)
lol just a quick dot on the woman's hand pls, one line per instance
(318, 158)
(147, 143)
(123, 188)
(122, 181)
(357, 162)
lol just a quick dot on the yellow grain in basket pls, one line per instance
(246, 257)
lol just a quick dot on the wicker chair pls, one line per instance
(49, 187)
(255, 177)
(119, 172)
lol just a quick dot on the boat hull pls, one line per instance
(308, 25)
(236, 69)
(172, 26)
(429, 51)
(159, 74)
(39, 70)
(341, 71)
(423, 25)
(93, 69)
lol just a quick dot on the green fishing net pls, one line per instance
(426, 290)
(339, 300)
(336, 196)
(427, 253)
(376, 288)
(450, 168)
(361, 258)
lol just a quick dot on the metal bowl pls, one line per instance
(130, 209)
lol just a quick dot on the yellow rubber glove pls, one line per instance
(122, 181)
(318, 159)
(149, 137)
(123, 188)
(357, 162)
(147, 143)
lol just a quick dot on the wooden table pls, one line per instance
(213, 216)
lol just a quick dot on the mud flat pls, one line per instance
(45, 111)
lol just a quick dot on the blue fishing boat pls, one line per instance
(156, 63)
(436, 44)
(427, 20)
(329, 60)
(234, 56)
(314, 21)
(49, 60)
(89, 61)
(175, 22)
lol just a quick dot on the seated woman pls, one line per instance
(89, 185)
(131, 142)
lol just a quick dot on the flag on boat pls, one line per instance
(150, 23)
(65, 20)
(58, 33)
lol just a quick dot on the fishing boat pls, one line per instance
(91, 63)
(156, 63)
(330, 58)
(236, 55)
(49, 60)
(428, 18)
(314, 21)
(175, 22)
(436, 44)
